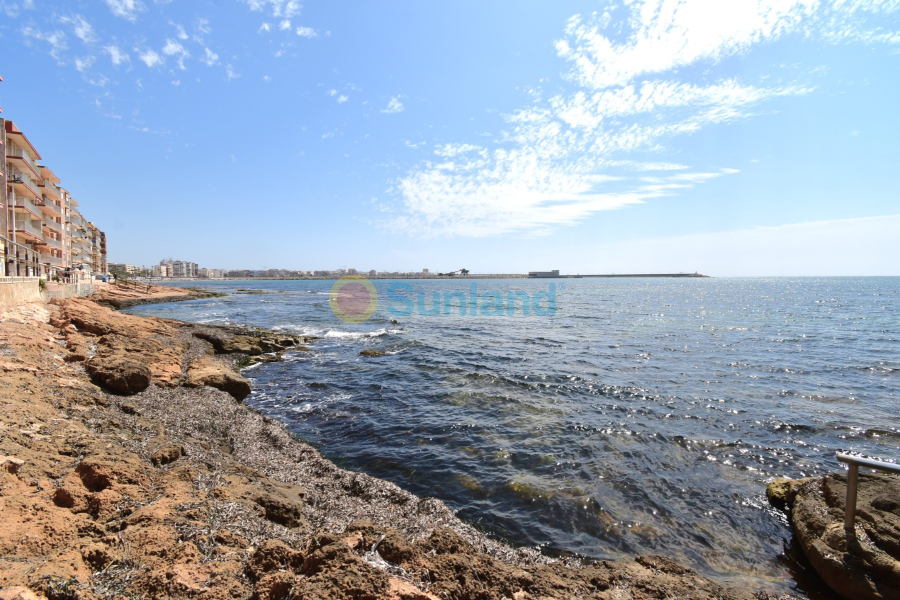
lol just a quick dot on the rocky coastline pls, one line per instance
(129, 468)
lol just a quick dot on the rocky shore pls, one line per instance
(863, 564)
(130, 469)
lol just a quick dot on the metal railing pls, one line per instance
(854, 463)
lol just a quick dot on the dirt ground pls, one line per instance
(130, 469)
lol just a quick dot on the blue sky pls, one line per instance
(749, 137)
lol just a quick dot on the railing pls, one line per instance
(26, 203)
(53, 225)
(19, 153)
(49, 186)
(26, 226)
(854, 463)
(49, 203)
(51, 242)
(19, 177)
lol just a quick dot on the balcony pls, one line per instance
(20, 155)
(53, 243)
(50, 189)
(56, 261)
(27, 229)
(26, 205)
(50, 207)
(51, 224)
(23, 184)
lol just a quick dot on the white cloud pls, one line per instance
(341, 99)
(307, 32)
(83, 64)
(279, 8)
(83, 30)
(394, 106)
(182, 34)
(151, 58)
(56, 39)
(265, 27)
(230, 74)
(562, 159)
(285, 25)
(173, 48)
(327, 135)
(116, 56)
(332, 92)
(126, 9)
(209, 57)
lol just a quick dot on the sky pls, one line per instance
(739, 138)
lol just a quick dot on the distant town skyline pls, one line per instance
(751, 137)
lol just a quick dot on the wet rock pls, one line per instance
(212, 373)
(372, 353)
(863, 564)
(781, 491)
(167, 454)
(122, 375)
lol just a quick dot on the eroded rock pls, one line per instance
(863, 564)
(210, 372)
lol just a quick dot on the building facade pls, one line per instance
(42, 234)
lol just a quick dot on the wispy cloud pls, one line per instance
(278, 8)
(82, 29)
(173, 48)
(307, 32)
(151, 58)
(126, 9)
(230, 73)
(342, 98)
(116, 55)
(564, 158)
(284, 25)
(394, 106)
(56, 39)
(83, 64)
(209, 57)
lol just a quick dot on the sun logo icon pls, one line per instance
(353, 299)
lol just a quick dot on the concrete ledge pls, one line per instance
(18, 290)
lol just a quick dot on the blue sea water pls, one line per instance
(645, 416)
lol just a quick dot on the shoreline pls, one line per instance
(145, 488)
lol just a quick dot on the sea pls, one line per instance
(640, 416)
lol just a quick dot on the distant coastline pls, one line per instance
(434, 276)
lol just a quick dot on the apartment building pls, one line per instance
(178, 268)
(42, 233)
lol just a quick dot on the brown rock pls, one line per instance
(212, 373)
(281, 510)
(275, 586)
(167, 454)
(122, 375)
(863, 564)
(372, 353)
